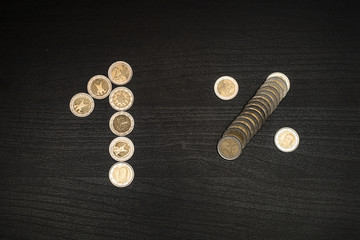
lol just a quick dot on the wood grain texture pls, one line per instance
(54, 166)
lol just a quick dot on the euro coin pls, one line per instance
(82, 105)
(121, 123)
(121, 149)
(99, 87)
(120, 73)
(226, 88)
(229, 148)
(121, 98)
(286, 139)
(121, 174)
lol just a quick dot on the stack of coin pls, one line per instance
(121, 123)
(253, 116)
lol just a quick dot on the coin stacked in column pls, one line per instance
(253, 116)
(121, 123)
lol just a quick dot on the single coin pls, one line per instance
(229, 148)
(120, 73)
(286, 139)
(99, 87)
(82, 105)
(121, 149)
(282, 76)
(121, 174)
(121, 123)
(238, 133)
(226, 88)
(121, 98)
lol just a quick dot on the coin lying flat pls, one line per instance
(229, 148)
(99, 87)
(120, 73)
(286, 139)
(121, 174)
(121, 98)
(82, 105)
(121, 123)
(226, 88)
(121, 149)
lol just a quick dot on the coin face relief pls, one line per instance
(121, 174)
(229, 148)
(121, 98)
(121, 149)
(286, 139)
(120, 73)
(99, 87)
(226, 88)
(121, 123)
(82, 105)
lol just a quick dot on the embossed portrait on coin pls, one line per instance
(229, 147)
(286, 139)
(226, 88)
(122, 123)
(122, 98)
(120, 73)
(121, 149)
(99, 87)
(121, 174)
(82, 105)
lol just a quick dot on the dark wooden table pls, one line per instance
(54, 166)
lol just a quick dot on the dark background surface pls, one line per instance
(54, 166)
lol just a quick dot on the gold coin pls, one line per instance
(229, 148)
(283, 77)
(120, 73)
(99, 87)
(286, 139)
(121, 98)
(121, 174)
(226, 88)
(121, 149)
(121, 123)
(82, 105)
